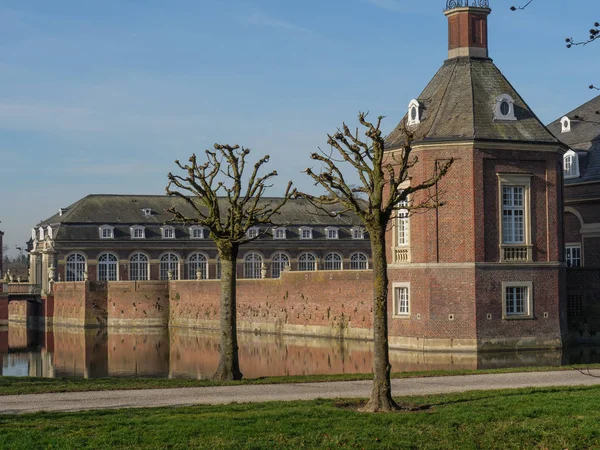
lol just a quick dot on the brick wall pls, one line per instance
(583, 304)
(3, 311)
(139, 303)
(80, 303)
(17, 311)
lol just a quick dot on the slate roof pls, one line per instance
(101, 209)
(584, 138)
(458, 104)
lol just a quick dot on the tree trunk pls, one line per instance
(381, 395)
(229, 364)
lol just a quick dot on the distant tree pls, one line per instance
(375, 201)
(228, 205)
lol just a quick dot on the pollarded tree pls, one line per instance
(228, 205)
(384, 185)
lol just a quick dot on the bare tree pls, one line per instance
(375, 201)
(228, 205)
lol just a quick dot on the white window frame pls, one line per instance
(398, 289)
(253, 262)
(309, 231)
(134, 231)
(359, 261)
(498, 115)
(166, 263)
(402, 225)
(167, 232)
(253, 232)
(414, 105)
(357, 232)
(194, 231)
(279, 261)
(334, 261)
(75, 269)
(569, 257)
(570, 165)
(279, 233)
(106, 232)
(195, 261)
(565, 123)
(528, 301)
(108, 267)
(332, 233)
(147, 212)
(510, 248)
(139, 267)
(304, 265)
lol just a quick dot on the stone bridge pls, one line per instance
(30, 297)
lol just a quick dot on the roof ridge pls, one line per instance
(575, 109)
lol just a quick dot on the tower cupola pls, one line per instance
(467, 28)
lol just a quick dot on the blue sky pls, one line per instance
(101, 96)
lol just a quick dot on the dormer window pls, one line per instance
(107, 232)
(571, 164)
(196, 232)
(504, 108)
(252, 232)
(61, 211)
(147, 212)
(414, 112)
(565, 123)
(331, 233)
(168, 232)
(306, 233)
(357, 233)
(138, 232)
(41, 234)
(279, 233)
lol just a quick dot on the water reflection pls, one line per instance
(181, 353)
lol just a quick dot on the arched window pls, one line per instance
(333, 261)
(197, 261)
(138, 267)
(169, 262)
(414, 112)
(565, 123)
(252, 265)
(279, 261)
(76, 266)
(307, 262)
(359, 261)
(504, 108)
(108, 267)
(571, 164)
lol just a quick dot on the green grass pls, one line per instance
(26, 385)
(549, 418)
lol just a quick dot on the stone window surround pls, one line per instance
(396, 286)
(523, 180)
(134, 229)
(574, 245)
(528, 301)
(106, 228)
(573, 159)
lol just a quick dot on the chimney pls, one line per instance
(467, 28)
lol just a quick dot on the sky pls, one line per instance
(101, 96)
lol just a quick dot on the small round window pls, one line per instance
(413, 113)
(504, 108)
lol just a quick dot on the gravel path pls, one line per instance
(78, 401)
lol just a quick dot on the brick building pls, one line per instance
(486, 270)
(126, 237)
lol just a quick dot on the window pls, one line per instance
(279, 233)
(573, 255)
(331, 233)
(197, 261)
(574, 305)
(402, 224)
(138, 232)
(168, 232)
(414, 112)
(359, 261)
(279, 261)
(333, 261)
(252, 265)
(571, 164)
(307, 262)
(196, 232)
(147, 212)
(401, 299)
(515, 234)
(504, 108)
(138, 267)
(357, 233)
(75, 267)
(517, 300)
(306, 233)
(108, 267)
(107, 232)
(169, 262)
(565, 123)
(252, 232)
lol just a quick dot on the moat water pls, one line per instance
(183, 353)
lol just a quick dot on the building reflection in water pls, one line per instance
(184, 353)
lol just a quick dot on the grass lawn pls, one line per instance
(26, 385)
(549, 418)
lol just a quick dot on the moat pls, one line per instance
(184, 353)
